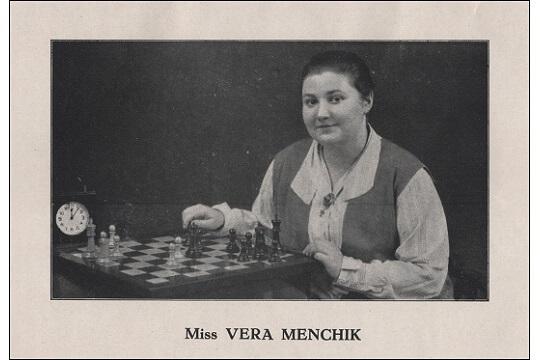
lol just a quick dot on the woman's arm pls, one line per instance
(421, 264)
(244, 220)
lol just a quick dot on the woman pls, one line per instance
(362, 206)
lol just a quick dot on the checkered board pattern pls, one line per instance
(144, 260)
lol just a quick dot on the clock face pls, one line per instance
(72, 218)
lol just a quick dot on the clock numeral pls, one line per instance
(61, 224)
(66, 207)
(82, 217)
(77, 227)
(71, 228)
(59, 218)
(61, 213)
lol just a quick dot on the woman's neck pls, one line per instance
(339, 159)
(342, 156)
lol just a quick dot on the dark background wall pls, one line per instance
(157, 126)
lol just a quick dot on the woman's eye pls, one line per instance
(310, 102)
(335, 99)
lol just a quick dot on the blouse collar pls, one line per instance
(357, 182)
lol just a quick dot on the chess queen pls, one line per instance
(361, 205)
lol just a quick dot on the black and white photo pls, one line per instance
(270, 170)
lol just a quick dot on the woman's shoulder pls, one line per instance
(398, 156)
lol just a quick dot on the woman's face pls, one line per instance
(333, 109)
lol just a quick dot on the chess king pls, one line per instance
(363, 207)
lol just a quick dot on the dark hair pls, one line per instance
(342, 62)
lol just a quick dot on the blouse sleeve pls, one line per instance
(421, 264)
(261, 211)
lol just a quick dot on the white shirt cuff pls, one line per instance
(226, 210)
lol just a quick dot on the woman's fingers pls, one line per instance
(203, 216)
(308, 250)
(210, 224)
(321, 257)
(198, 211)
(322, 247)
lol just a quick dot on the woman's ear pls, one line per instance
(368, 102)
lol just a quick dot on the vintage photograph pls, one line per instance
(269, 170)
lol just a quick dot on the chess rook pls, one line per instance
(104, 256)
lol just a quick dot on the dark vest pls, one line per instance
(369, 227)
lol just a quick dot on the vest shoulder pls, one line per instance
(398, 163)
(398, 156)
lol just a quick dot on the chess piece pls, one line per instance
(178, 248)
(274, 252)
(90, 252)
(185, 240)
(116, 252)
(232, 246)
(243, 257)
(197, 246)
(260, 244)
(103, 257)
(249, 244)
(171, 261)
(191, 240)
(186, 235)
(276, 228)
(112, 232)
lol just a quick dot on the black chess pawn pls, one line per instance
(276, 228)
(274, 252)
(185, 236)
(243, 257)
(249, 244)
(260, 244)
(232, 246)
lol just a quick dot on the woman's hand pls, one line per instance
(328, 254)
(203, 216)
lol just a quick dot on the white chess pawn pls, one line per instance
(112, 232)
(116, 253)
(171, 262)
(178, 251)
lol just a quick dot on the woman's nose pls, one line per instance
(322, 112)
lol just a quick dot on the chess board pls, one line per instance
(143, 264)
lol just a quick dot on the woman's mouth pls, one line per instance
(324, 126)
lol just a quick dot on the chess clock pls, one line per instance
(71, 212)
(72, 218)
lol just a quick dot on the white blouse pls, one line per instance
(421, 264)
